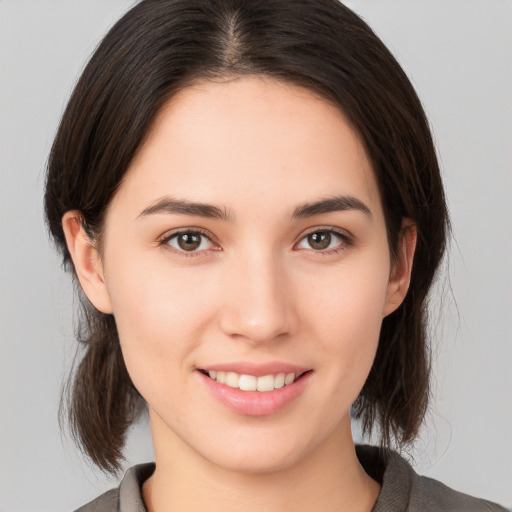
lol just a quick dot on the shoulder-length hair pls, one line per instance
(162, 46)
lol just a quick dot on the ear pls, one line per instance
(87, 261)
(400, 276)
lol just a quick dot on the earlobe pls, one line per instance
(87, 261)
(400, 277)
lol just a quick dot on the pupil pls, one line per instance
(189, 242)
(320, 240)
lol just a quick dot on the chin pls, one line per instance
(257, 462)
(260, 451)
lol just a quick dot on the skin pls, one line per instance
(256, 291)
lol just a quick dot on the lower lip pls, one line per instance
(256, 403)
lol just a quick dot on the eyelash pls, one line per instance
(164, 242)
(345, 241)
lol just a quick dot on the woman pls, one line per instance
(249, 198)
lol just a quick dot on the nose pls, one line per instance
(258, 301)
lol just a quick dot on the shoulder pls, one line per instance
(127, 497)
(108, 501)
(432, 495)
(403, 490)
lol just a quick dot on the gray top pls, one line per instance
(403, 490)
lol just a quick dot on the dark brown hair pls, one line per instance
(160, 47)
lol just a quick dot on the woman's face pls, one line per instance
(248, 239)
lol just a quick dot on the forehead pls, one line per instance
(249, 141)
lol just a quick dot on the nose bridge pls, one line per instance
(258, 304)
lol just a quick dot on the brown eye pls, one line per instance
(319, 240)
(190, 241)
(327, 241)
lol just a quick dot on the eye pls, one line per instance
(325, 241)
(188, 242)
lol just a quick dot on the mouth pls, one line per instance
(247, 382)
(274, 388)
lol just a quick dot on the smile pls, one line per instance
(256, 395)
(244, 382)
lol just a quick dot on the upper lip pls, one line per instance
(256, 369)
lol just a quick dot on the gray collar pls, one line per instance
(403, 490)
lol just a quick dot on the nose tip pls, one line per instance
(259, 307)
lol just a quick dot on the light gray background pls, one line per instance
(459, 56)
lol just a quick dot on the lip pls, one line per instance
(256, 369)
(255, 403)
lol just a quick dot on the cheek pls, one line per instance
(352, 295)
(348, 318)
(159, 320)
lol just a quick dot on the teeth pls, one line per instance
(252, 383)
(266, 383)
(290, 377)
(232, 379)
(279, 380)
(248, 383)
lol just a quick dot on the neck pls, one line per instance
(329, 478)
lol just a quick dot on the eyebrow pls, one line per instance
(175, 206)
(329, 205)
(184, 207)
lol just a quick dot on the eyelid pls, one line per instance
(329, 229)
(347, 239)
(163, 241)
